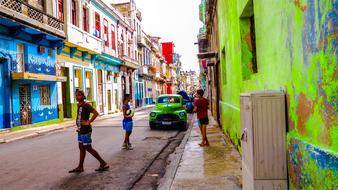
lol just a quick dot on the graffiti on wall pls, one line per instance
(318, 166)
(42, 65)
(39, 115)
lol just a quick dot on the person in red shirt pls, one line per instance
(201, 107)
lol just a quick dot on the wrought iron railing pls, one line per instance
(33, 13)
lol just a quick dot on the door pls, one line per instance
(217, 92)
(109, 100)
(25, 105)
(123, 84)
(100, 91)
(65, 93)
(116, 100)
(20, 49)
(2, 96)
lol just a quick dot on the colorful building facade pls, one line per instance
(287, 46)
(28, 89)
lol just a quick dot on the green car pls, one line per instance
(169, 112)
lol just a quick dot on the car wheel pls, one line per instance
(152, 127)
(183, 127)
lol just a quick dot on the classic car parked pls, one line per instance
(169, 112)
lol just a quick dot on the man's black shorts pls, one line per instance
(203, 121)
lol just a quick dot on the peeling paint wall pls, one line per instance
(296, 51)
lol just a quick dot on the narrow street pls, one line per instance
(43, 162)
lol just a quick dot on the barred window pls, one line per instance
(44, 95)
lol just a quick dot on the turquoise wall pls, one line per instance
(296, 45)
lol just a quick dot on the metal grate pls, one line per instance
(168, 117)
(34, 14)
(25, 105)
(53, 22)
(14, 5)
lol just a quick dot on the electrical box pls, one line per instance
(263, 125)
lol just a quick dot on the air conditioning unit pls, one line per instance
(41, 49)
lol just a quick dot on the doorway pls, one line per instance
(123, 84)
(65, 93)
(116, 95)
(25, 105)
(2, 96)
(218, 90)
(100, 91)
(109, 100)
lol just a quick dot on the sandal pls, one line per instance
(102, 168)
(201, 144)
(76, 170)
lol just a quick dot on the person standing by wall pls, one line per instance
(201, 107)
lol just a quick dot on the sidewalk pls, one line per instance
(9, 136)
(214, 167)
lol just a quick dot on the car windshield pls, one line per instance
(168, 99)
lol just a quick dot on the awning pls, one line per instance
(37, 77)
(107, 62)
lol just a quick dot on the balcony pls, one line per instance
(143, 70)
(202, 43)
(129, 62)
(79, 37)
(28, 15)
(140, 40)
(139, 15)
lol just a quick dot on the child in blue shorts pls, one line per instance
(127, 123)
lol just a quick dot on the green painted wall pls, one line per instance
(296, 41)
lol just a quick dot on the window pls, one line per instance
(168, 100)
(113, 42)
(44, 95)
(105, 36)
(74, 13)
(248, 42)
(224, 67)
(109, 74)
(85, 19)
(129, 50)
(89, 84)
(97, 25)
(60, 9)
(78, 78)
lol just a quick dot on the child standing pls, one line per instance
(201, 107)
(84, 130)
(127, 123)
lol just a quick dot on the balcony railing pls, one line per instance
(33, 13)
(140, 40)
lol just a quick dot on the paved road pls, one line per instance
(43, 162)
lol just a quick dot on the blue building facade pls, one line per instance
(28, 92)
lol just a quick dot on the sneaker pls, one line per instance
(129, 147)
(125, 145)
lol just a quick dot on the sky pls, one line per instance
(174, 21)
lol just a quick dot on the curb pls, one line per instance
(71, 124)
(175, 158)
